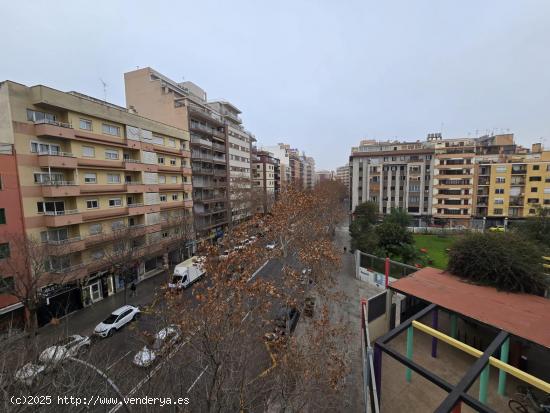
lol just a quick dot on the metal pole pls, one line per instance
(434, 325)
(387, 272)
(453, 325)
(410, 331)
(504, 351)
(378, 370)
(483, 383)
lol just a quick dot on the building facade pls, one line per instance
(393, 175)
(323, 176)
(265, 168)
(280, 152)
(342, 175)
(89, 171)
(185, 106)
(240, 143)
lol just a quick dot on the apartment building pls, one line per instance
(324, 175)
(280, 152)
(184, 105)
(88, 171)
(342, 175)
(265, 168)
(453, 179)
(11, 229)
(309, 172)
(513, 186)
(240, 143)
(393, 175)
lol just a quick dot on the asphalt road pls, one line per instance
(113, 356)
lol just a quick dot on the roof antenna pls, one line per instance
(104, 89)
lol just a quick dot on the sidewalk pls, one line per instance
(83, 321)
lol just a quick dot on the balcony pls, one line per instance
(138, 166)
(218, 134)
(107, 189)
(168, 187)
(57, 160)
(66, 246)
(220, 172)
(62, 218)
(195, 140)
(53, 189)
(66, 274)
(140, 209)
(210, 211)
(202, 171)
(220, 159)
(517, 181)
(201, 156)
(204, 114)
(104, 213)
(519, 170)
(186, 203)
(101, 163)
(169, 168)
(218, 147)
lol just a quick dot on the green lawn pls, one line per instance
(436, 246)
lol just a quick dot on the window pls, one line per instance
(534, 189)
(7, 285)
(97, 254)
(35, 116)
(111, 129)
(111, 154)
(113, 178)
(500, 180)
(174, 197)
(499, 201)
(535, 179)
(532, 200)
(499, 191)
(547, 190)
(163, 198)
(88, 151)
(117, 224)
(532, 211)
(94, 229)
(4, 250)
(501, 169)
(173, 162)
(165, 234)
(90, 178)
(160, 160)
(45, 148)
(85, 124)
(497, 211)
(536, 167)
(162, 179)
(157, 140)
(51, 207)
(115, 202)
(92, 204)
(174, 179)
(171, 142)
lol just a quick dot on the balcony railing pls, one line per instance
(63, 241)
(220, 172)
(56, 153)
(65, 212)
(135, 205)
(205, 171)
(132, 160)
(218, 147)
(200, 141)
(58, 183)
(54, 123)
(220, 158)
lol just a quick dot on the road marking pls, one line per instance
(151, 374)
(197, 379)
(257, 271)
(124, 356)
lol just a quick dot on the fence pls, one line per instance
(374, 264)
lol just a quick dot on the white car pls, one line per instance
(28, 373)
(271, 245)
(67, 347)
(164, 341)
(116, 320)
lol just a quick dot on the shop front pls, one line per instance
(98, 286)
(57, 301)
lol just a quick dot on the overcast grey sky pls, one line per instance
(320, 75)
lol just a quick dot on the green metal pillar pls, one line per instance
(453, 325)
(484, 383)
(504, 351)
(408, 374)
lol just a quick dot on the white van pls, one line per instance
(186, 273)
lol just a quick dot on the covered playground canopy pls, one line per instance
(520, 315)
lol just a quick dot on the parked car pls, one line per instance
(498, 228)
(164, 340)
(64, 348)
(118, 319)
(271, 245)
(28, 373)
